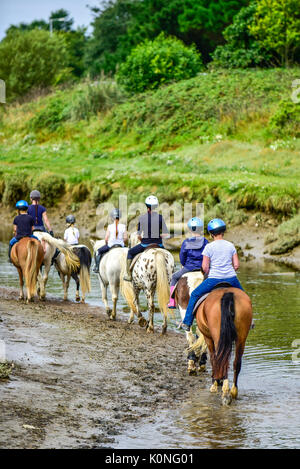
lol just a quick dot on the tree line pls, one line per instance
(166, 39)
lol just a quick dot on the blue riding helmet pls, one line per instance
(21, 205)
(216, 226)
(195, 225)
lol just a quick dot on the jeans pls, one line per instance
(14, 240)
(177, 275)
(137, 250)
(205, 287)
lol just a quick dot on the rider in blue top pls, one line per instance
(220, 262)
(190, 254)
(23, 225)
(38, 213)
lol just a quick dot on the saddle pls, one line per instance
(150, 246)
(203, 297)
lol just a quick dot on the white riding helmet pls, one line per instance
(151, 201)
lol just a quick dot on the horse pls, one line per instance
(185, 285)
(27, 256)
(109, 274)
(50, 244)
(151, 272)
(84, 256)
(225, 317)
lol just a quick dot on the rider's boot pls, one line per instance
(97, 263)
(172, 304)
(128, 276)
(9, 251)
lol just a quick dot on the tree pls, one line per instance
(32, 59)
(153, 63)
(277, 28)
(242, 49)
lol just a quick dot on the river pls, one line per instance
(266, 413)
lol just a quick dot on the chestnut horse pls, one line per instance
(27, 256)
(225, 317)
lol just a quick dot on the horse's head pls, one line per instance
(97, 244)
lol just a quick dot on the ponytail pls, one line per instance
(117, 221)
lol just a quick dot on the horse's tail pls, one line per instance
(84, 272)
(162, 285)
(228, 332)
(125, 286)
(30, 272)
(71, 258)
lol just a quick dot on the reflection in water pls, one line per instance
(266, 413)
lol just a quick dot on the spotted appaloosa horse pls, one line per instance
(109, 274)
(225, 317)
(81, 273)
(27, 256)
(186, 284)
(50, 244)
(152, 271)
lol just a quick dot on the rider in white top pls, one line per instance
(71, 234)
(116, 235)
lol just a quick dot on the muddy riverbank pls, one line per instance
(79, 379)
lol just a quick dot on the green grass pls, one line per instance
(208, 139)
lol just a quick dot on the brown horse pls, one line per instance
(27, 256)
(225, 317)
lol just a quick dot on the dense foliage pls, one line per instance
(157, 62)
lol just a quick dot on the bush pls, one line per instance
(32, 59)
(286, 119)
(16, 188)
(153, 63)
(50, 117)
(51, 188)
(80, 192)
(101, 193)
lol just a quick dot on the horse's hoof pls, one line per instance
(202, 368)
(150, 330)
(142, 322)
(112, 318)
(163, 331)
(192, 370)
(77, 299)
(214, 387)
(108, 312)
(226, 399)
(234, 392)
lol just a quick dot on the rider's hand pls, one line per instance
(51, 233)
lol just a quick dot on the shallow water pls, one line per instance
(266, 413)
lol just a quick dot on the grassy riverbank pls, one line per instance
(229, 139)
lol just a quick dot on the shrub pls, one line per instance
(51, 188)
(80, 192)
(286, 119)
(50, 117)
(153, 63)
(16, 188)
(100, 193)
(32, 59)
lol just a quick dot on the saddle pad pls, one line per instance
(186, 275)
(201, 299)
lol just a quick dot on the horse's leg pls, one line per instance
(21, 296)
(150, 299)
(211, 349)
(114, 295)
(239, 350)
(141, 320)
(75, 277)
(42, 279)
(65, 287)
(192, 370)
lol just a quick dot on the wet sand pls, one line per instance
(80, 379)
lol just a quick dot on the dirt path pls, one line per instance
(79, 379)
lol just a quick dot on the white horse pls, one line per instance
(182, 292)
(81, 274)
(151, 272)
(50, 244)
(109, 274)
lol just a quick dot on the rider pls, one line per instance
(220, 262)
(71, 234)
(38, 213)
(190, 254)
(23, 225)
(151, 229)
(116, 235)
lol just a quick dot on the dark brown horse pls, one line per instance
(224, 318)
(27, 256)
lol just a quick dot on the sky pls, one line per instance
(25, 11)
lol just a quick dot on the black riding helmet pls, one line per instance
(70, 219)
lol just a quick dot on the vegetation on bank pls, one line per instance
(229, 139)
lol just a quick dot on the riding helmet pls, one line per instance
(115, 214)
(70, 219)
(216, 226)
(151, 201)
(21, 205)
(35, 195)
(195, 225)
